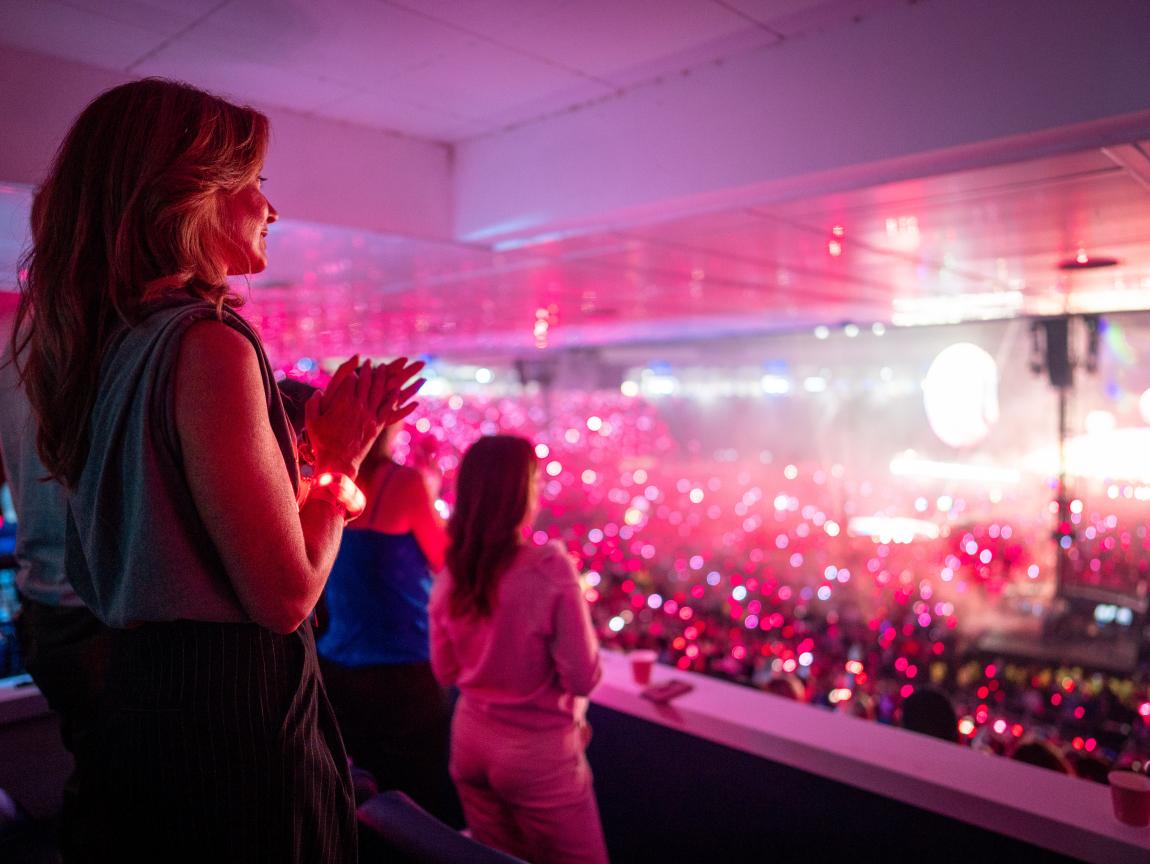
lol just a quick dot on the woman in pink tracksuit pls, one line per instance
(510, 627)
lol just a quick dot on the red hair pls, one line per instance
(131, 210)
(492, 494)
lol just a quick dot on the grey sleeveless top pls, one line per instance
(136, 548)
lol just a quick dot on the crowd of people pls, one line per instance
(726, 566)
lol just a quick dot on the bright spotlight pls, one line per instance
(960, 394)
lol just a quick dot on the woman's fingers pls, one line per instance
(363, 378)
(392, 369)
(394, 406)
(386, 392)
(412, 369)
(346, 369)
(400, 371)
(379, 388)
(342, 385)
(403, 412)
(409, 391)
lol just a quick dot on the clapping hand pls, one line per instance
(394, 375)
(345, 419)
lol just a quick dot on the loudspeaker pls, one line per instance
(1059, 368)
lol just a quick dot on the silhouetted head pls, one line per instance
(787, 686)
(928, 711)
(1043, 754)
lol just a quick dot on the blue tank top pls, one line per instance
(376, 600)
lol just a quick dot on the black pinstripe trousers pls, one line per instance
(218, 744)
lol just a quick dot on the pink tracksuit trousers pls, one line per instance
(526, 791)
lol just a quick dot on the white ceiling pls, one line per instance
(959, 246)
(446, 70)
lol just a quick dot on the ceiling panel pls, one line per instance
(166, 17)
(987, 223)
(793, 257)
(606, 38)
(80, 34)
(489, 18)
(305, 254)
(390, 108)
(952, 187)
(405, 65)
(986, 245)
(240, 77)
(707, 269)
(354, 42)
(498, 80)
(795, 17)
(610, 41)
(700, 226)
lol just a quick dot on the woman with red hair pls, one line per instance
(510, 628)
(157, 411)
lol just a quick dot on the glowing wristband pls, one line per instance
(340, 489)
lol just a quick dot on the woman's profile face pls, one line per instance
(247, 214)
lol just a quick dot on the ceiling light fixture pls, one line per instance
(1083, 261)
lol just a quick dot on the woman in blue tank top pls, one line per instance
(375, 652)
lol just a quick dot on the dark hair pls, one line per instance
(1092, 768)
(1042, 754)
(787, 686)
(492, 493)
(295, 395)
(929, 712)
(131, 210)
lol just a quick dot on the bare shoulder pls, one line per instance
(405, 482)
(217, 376)
(213, 348)
(408, 476)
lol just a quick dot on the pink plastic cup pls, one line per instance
(642, 665)
(1130, 795)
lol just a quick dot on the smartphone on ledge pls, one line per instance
(665, 691)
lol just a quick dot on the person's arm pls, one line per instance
(574, 646)
(444, 663)
(277, 556)
(425, 523)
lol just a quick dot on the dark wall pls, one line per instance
(666, 796)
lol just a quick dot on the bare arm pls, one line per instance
(276, 556)
(425, 522)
